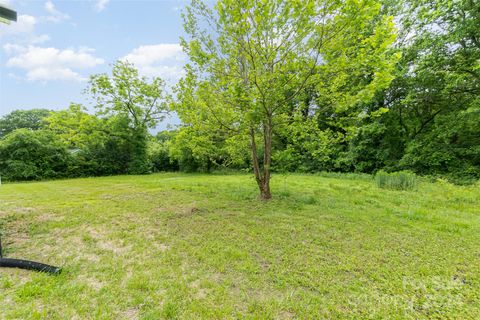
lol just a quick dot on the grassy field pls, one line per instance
(184, 246)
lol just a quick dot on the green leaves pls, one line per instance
(28, 119)
(30, 155)
(251, 61)
(128, 94)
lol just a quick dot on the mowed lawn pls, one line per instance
(193, 246)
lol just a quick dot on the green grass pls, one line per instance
(169, 246)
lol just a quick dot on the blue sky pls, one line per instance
(47, 56)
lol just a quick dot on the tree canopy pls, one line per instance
(250, 60)
(23, 119)
(128, 94)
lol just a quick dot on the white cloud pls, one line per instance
(11, 48)
(55, 15)
(22, 32)
(164, 60)
(53, 74)
(50, 7)
(100, 5)
(146, 55)
(24, 25)
(51, 63)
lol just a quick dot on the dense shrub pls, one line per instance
(402, 180)
(194, 151)
(100, 146)
(33, 155)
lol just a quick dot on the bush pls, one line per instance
(33, 155)
(402, 180)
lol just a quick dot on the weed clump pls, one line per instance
(401, 180)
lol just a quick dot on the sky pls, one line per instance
(47, 56)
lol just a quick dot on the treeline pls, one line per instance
(424, 116)
(44, 144)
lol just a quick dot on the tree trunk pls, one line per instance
(267, 159)
(265, 193)
(262, 178)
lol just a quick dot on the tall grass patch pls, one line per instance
(402, 180)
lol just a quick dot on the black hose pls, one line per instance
(26, 264)
(29, 265)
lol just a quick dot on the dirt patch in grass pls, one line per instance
(130, 314)
(93, 283)
(103, 242)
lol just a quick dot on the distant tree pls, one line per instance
(76, 127)
(23, 119)
(251, 59)
(128, 94)
(141, 103)
(33, 155)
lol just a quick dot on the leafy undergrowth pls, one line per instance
(184, 246)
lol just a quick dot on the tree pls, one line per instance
(439, 70)
(142, 103)
(434, 98)
(27, 119)
(75, 127)
(128, 94)
(451, 148)
(33, 155)
(251, 59)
